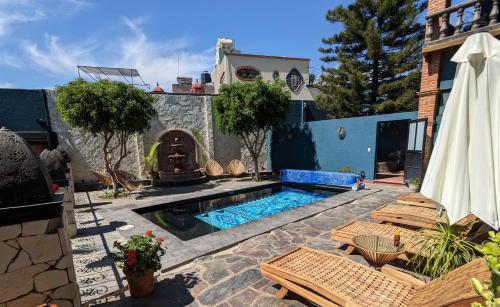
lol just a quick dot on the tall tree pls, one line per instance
(374, 59)
(248, 110)
(111, 110)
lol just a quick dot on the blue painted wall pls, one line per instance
(19, 109)
(315, 145)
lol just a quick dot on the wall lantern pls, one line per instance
(341, 133)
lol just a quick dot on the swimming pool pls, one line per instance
(189, 219)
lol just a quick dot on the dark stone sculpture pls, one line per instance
(55, 163)
(23, 177)
(64, 153)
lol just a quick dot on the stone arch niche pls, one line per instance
(180, 145)
(168, 139)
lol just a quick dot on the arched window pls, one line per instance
(294, 80)
(247, 73)
(276, 75)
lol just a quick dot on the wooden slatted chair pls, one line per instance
(417, 199)
(410, 238)
(236, 168)
(408, 215)
(329, 280)
(213, 168)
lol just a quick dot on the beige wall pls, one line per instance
(266, 66)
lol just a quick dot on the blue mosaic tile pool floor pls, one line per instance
(241, 213)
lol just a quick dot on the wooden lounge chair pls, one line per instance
(236, 168)
(408, 215)
(345, 233)
(213, 168)
(329, 280)
(104, 179)
(417, 199)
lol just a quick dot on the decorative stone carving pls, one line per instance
(54, 163)
(23, 178)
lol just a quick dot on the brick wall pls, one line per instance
(429, 84)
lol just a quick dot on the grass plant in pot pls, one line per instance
(151, 161)
(140, 257)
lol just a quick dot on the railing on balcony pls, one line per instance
(455, 23)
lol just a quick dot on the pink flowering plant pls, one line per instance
(139, 253)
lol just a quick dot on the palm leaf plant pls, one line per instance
(443, 250)
(151, 159)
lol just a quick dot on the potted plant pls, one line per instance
(414, 184)
(151, 161)
(139, 258)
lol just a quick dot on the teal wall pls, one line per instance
(19, 109)
(316, 145)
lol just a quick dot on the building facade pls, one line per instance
(233, 66)
(447, 27)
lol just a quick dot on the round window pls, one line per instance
(247, 73)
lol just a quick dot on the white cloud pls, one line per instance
(57, 58)
(14, 12)
(157, 61)
(8, 19)
(10, 60)
(7, 85)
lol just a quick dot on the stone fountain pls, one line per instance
(177, 163)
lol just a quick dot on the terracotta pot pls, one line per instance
(141, 284)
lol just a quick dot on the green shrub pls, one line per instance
(490, 291)
(446, 249)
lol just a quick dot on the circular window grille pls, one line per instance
(294, 80)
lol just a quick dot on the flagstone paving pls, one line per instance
(227, 278)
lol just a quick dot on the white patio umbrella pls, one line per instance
(464, 171)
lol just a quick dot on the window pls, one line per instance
(276, 75)
(294, 80)
(223, 78)
(247, 73)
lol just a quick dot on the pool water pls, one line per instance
(193, 219)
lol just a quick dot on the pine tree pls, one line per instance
(376, 58)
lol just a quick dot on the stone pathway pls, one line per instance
(228, 278)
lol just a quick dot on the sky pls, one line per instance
(42, 41)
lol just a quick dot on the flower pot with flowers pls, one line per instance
(139, 258)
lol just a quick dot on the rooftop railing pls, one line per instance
(452, 25)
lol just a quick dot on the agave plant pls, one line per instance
(151, 159)
(443, 250)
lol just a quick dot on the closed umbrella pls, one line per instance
(463, 174)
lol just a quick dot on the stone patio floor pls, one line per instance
(227, 278)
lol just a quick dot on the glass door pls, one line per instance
(415, 151)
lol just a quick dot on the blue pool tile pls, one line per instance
(241, 213)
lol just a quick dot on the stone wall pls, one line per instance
(179, 112)
(36, 265)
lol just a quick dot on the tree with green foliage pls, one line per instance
(375, 58)
(112, 110)
(250, 109)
